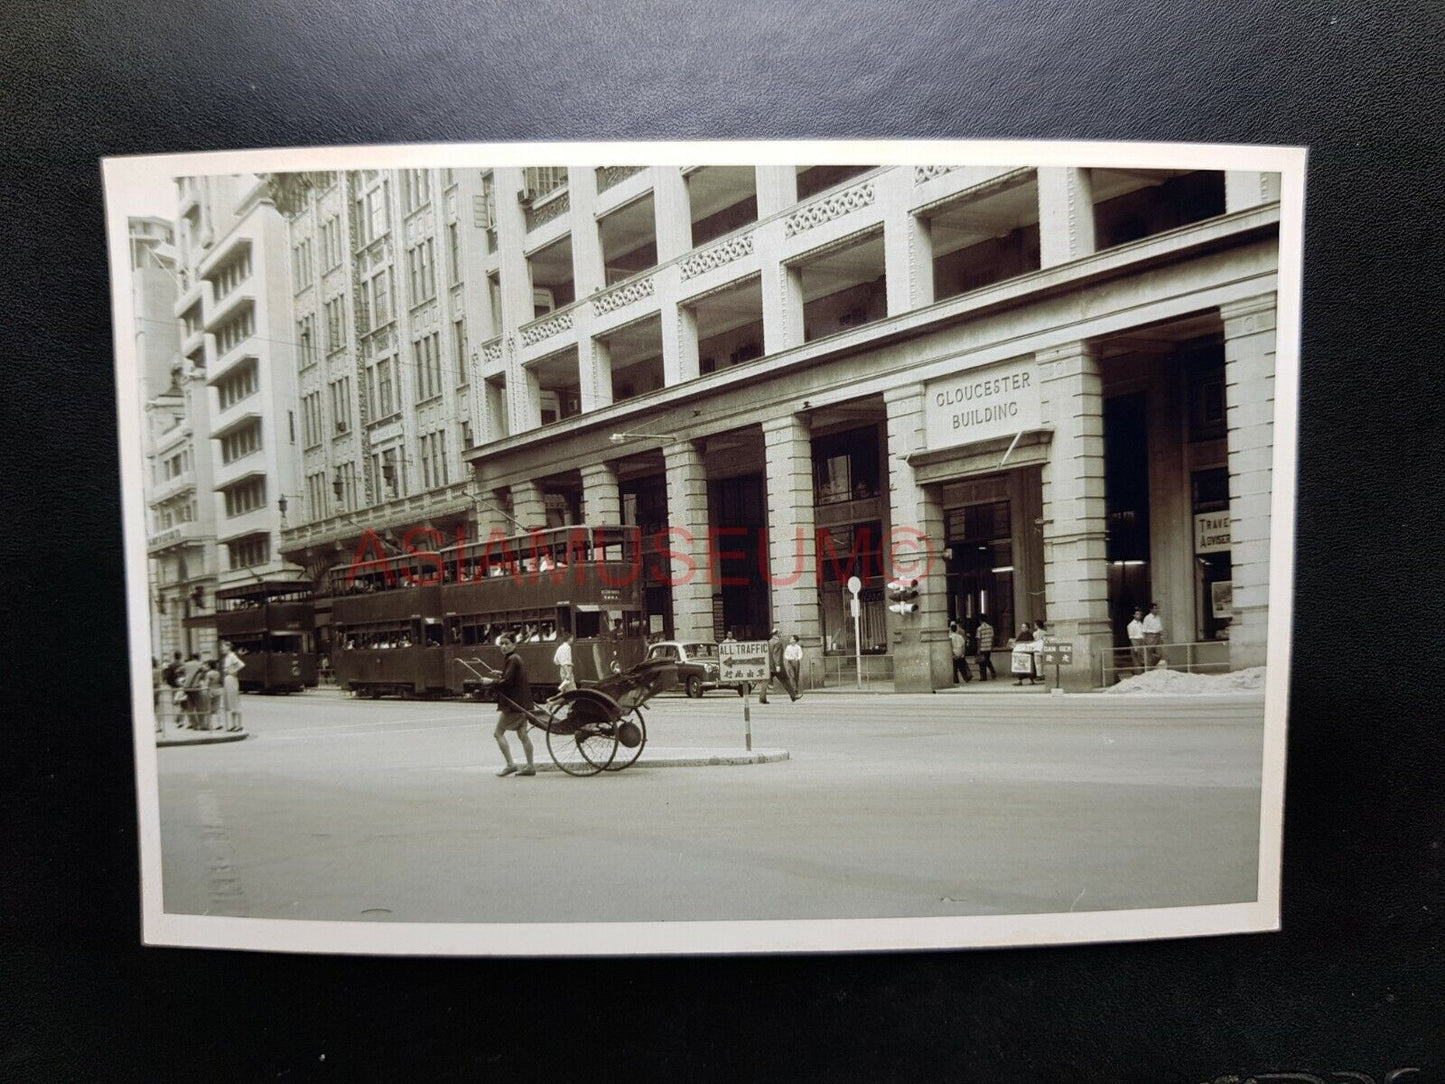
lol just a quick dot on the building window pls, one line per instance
(434, 459)
(467, 434)
(378, 293)
(316, 492)
(232, 273)
(237, 385)
(381, 389)
(544, 180)
(426, 354)
(306, 342)
(241, 442)
(389, 473)
(415, 189)
(236, 330)
(423, 273)
(311, 419)
(347, 474)
(335, 325)
(301, 265)
(373, 215)
(341, 403)
(246, 497)
(454, 254)
(459, 351)
(845, 466)
(331, 243)
(250, 551)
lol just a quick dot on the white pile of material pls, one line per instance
(1159, 682)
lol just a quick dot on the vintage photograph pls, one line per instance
(823, 547)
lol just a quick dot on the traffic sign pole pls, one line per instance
(748, 716)
(854, 586)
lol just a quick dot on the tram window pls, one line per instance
(549, 630)
(433, 635)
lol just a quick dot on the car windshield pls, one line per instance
(701, 651)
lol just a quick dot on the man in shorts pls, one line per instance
(514, 697)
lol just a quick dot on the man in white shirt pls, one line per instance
(1153, 635)
(562, 659)
(1136, 640)
(793, 666)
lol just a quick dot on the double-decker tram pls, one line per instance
(271, 625)
(386, 619)
(537, 588)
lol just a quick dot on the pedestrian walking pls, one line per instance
(776, 669)
(231, 667)
(984, 639)
(1135, 632)
(562, 659)
(793, 666)
(193, 690)
(958, 644)
(514, 698)
(213, 695)
(1153, 636)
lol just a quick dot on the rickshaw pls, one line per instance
(599, 727)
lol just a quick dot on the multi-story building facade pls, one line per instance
(180, 526)
(234, 311)
(1048, 392)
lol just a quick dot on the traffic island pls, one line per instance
(672, 758)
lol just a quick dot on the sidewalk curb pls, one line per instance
(204, 738)
(677, 758)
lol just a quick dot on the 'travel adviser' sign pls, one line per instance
(1211, 532)
(983, 404)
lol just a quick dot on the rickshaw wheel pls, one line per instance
(627, 755)
(584, 751)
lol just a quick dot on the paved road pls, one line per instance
(888, 806)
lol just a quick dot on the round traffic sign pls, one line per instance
(855, 584)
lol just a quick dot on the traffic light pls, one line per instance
(903, 596)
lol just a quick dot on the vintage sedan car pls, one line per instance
(697, 665)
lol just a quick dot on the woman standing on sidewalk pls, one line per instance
(231, 665)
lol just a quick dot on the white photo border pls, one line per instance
(126, 178)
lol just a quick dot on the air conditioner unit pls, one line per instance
(542, 303)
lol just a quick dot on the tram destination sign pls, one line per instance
(982, 404)
(742, 660)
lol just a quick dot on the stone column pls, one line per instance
(1246, 189)
(687, 518)
(922, 658)
(1076, 585)
(679, 342)
(1066, 214)
(672, 212)
(587, 274)
(516, 286)
(528, 507)
(601, 502)
(1249, 347)
(907, 245)
(792, 539)
(594, 374)
(777, 188)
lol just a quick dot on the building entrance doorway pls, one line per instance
(980, 568)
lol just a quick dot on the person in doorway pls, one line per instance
(562, 659)
(729, 638)
(1153, 636)
(793, 666)
(1135, 632)
(958, 644)
(231, 667)
(514, 698)
(983, 637)
(775, 668)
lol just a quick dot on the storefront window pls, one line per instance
(845, 466)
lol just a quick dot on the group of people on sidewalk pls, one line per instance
(980, 647)
(201, 695)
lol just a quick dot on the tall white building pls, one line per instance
(234, 310)
(180, 543)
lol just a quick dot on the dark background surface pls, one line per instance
(1352, 983)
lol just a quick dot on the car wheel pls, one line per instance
(694, 687)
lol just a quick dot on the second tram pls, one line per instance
(271, 626)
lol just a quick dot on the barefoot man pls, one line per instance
(514, 696)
